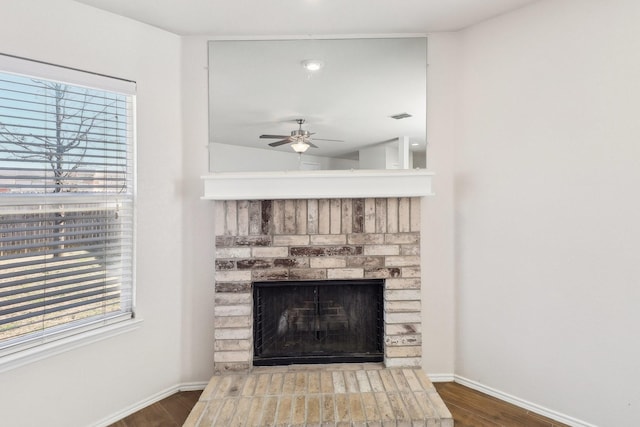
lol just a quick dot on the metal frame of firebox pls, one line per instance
(259, 359)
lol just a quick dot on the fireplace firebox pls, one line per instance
(333, 321)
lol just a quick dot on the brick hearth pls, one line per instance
(350, 395)
(317, 239)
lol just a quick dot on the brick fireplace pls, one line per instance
(317, 239)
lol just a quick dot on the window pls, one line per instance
(66, 202)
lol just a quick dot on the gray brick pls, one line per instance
(402, 306)
(402, 329)
(255, 217)
(365, 239)
(301, 217)
(402, 238)
(328, 262)
(367, 262)
(410, 272)
(326, 250)
(225, 265)
(369, 215)
(232, 310)
(232, 356)
(230, 298)
(402, 261)
(392, 215)
(345, 273)
(312, 216)
(382, 250)
(291, 262)
(396, 362)
(232, 252)
(409, 250)
(400, 340)
(403, 283)
(307, 274)
(232, 276)
(381, 273)
(232, 333)
(414, 317)
(233, 286)
(381, 215)
(225, 241)
(328, 239)
(290, 240)
(243, 217)
(253, 241)
(232, 322)
(270, 274)
(402, 295)
(324, 216)
(247, 264)
(232, 345)
(270, 252)
(226, 367)
(404, 214)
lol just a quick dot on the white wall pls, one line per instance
(437, 249)
(373, 157)
(84, 385)
(547, 220)
(198, 219)
(381, 156)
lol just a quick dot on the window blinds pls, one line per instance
(66, 202)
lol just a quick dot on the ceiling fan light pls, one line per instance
(312, 64)
(300, 147)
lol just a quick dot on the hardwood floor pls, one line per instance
(469, 408)
(169, 412)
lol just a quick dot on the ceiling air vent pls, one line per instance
(401, 116)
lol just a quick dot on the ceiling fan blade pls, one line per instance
(279, 143)
(311, 144)
(322, 139)
(274, 136)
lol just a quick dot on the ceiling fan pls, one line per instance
(299, 139)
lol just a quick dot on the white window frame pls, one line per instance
(80, 334)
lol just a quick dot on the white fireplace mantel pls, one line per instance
(317, 184)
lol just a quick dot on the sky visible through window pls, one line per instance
(73, 136)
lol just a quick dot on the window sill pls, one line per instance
(43, 351)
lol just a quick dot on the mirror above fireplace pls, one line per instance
(364, 107)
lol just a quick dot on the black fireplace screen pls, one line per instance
(318, 322)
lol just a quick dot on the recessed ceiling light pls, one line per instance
(312, 64)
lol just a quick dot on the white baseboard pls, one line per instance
(540, 410)
(192, 386)
(441, 378)
(149, 401)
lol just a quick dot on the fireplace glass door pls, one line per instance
(318, 322)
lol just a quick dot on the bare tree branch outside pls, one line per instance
(75, 113)
(64, 147)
